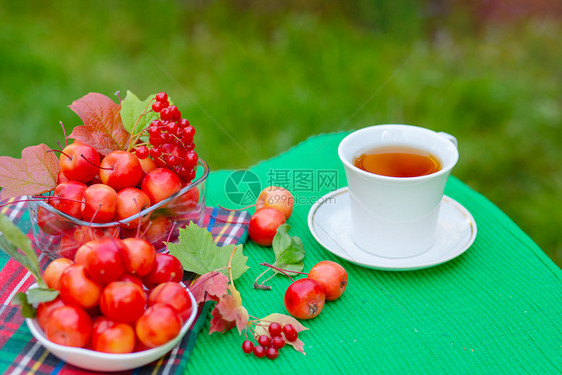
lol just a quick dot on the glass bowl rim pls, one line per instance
(144, 212)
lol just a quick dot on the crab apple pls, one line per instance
(160, 183)
(174, 295)
(61, 178)
(147, 165)
(69, 326)
(79, 162)
(67, 198)
(276, 197)
(73, 238)
(51, 223)
(77, 288)
(54, 271)
(100, 203)
(131, 201)
(103, 259)
(331, 276)
(122, 301)
(304, 299)
(158, 325)
(132, 279)
(184, 204)
(263, 225)
(112, 337)
(167, 268)
(120, 169)
(158, 229)
(139, 256)
(44, 309)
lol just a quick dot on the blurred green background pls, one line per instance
(257, 77)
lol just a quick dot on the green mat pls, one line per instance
(495, 309)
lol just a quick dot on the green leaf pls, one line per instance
(198, 253)
(27, 311)
(289, 251)
(38, 295)
(12, 239)
(132, 108)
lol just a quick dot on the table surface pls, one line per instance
(494, 309)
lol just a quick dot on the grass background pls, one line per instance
(256, 78)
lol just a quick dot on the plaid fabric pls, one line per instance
(21, 353)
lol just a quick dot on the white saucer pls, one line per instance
(329, 221)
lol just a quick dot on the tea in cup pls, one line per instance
(396, 176)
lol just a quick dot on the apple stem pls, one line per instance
(59, 151)
(95, 165)
(64, 132)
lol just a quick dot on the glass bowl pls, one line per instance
(60, 235)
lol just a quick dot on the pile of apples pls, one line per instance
(117, 296)
(112, 188)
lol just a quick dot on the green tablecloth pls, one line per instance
(495, 309)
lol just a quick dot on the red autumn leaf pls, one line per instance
(262, 328)
(229, 312)
(35, 173)
(103, 128)
(210, 286)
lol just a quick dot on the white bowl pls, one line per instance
(98, 361)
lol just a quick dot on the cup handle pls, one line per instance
(449, 137)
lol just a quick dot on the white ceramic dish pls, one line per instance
(97, 361)
(329, 221)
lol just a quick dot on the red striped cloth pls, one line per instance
(21, 353)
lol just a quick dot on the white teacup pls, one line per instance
(396, 217)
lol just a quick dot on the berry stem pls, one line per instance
(135, 137)
(283, 271)
(261, 286)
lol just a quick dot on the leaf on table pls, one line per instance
(262, 328)
(35, 173)
(133, 112)
(13, 238)
(103, 128)
(229, 313)
(289, 251)
(210, 286)
(199, 254)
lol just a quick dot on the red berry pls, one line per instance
(188, 133)
(278, 342)
(142, 152)
(275, 329)
(155, 140)
(247, 346)
(264, 340)
(175, 113)
(272, 352)
(290, 332)
(154, 130)
(165, 114)
(173, 127)
(161, 97)
(259, 351)
(183, 123)
(157, 106)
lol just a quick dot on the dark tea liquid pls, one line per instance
(398, 161)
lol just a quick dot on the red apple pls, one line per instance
(120, 169)
(160, 183)
(74, 165)
(100, 203)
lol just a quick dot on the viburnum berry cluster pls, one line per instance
(170, 140)
(268, 345)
